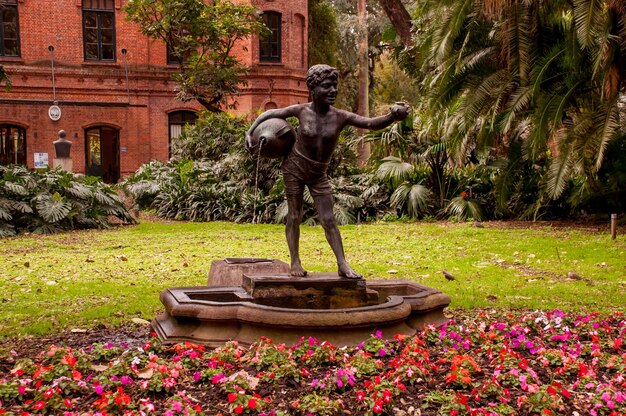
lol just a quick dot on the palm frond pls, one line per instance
(394, 170)
(588, 15)
(464, 208)
(412, 197)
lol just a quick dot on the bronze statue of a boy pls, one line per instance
(306, 164)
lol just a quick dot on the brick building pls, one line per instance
(80, 66)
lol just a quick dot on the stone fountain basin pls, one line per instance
(214, 315)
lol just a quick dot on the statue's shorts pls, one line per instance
(299, 170)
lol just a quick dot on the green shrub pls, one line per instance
(212, 177)
(54, 200)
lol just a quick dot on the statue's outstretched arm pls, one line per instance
(397, 112)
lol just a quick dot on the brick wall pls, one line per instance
(97, 94)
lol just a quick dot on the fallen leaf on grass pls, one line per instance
(121, 257)
(140, 321)
(392, 271)
(78, 330)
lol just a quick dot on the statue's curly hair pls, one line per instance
(318, 73)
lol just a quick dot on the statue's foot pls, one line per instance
(348, 272)
(297, 271)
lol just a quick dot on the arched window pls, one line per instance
(102, 153)
(176, 121)
(12, 145)
(269, 42)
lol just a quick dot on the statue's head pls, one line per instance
(318, 73)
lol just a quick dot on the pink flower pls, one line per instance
(177, 406)
(217, 378)
(197, 376)
(168, 383)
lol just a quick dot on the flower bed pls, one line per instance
(490, 363)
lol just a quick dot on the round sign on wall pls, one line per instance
(54, 112)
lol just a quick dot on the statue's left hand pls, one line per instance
(399, 111)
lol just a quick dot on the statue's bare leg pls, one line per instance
(324, 205)
(292, 231)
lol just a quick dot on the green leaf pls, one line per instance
(52, 208)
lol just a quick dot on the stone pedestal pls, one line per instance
(65, 163)
(230, 271)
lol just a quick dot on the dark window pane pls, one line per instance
(9, 14)
(10, 31)
(91, 51)
(106, 20)
(107, 52)
(107, 36)
(91, 20)
(91, 36)
(11, 48)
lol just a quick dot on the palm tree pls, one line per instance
(547, 75)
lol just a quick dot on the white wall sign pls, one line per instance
(41, 160)
(54, 112)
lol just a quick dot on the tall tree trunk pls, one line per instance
(363, 150)
(399, 18)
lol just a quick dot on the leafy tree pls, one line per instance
(201, 35)
(546, 75)
(323, 33)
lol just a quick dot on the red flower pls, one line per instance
(252, 404)
(232, 397)
(40, 405)
(464, 194)
(386, 396)
(76, 375)
(378, 406)
(69, 359)
(360, 395)
(49, 393)
(68, 402)
(239, 409)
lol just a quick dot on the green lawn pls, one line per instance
(80, 279)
